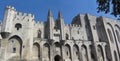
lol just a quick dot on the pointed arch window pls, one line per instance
(67, 36)
(110, 35)
(118, 36)
(39, 34)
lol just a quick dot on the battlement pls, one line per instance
(25, 15)
(39, 22)
(10, 7)
(72, 25)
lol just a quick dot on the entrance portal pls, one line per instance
(57, 58)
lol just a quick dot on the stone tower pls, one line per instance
(60, 25)
(9, 15)
(50, 25)
(87, 38)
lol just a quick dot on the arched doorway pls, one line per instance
(14, 47)
(36, 51)
(46, 52)
(57, 58)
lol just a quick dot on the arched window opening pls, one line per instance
(118, 36)
(100, 53)
(36, 51)
(110, 35)
(78, 32)
(46, 51)
(84, 53)
(67, 51)
(67, 36)
(76, 52)
(39, 34)
(18, 26)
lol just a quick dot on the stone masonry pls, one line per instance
(87, 38)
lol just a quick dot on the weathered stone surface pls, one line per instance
(87, 38)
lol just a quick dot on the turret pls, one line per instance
(50, 24)
(8, 20)
(60, 24)
(60, 15)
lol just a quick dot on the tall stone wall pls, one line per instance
(87, 38)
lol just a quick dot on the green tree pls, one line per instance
(109, 6)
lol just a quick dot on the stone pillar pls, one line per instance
(51, 53)
(95, 50)
(104, 54)
(80, 52)
(41, 53)
(71, 49)
(71, 53)
(88, 52)
(62, 52)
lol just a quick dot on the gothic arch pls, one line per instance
(76, 52)
(117, 30)
(118, 35)
(57, 48)
(100, 53)
(46, 51)
(84, 52)
(68, 51)
(110, 25)
(57, 44)
(66, 36)
(15, 45)
(110, 35)
(36, 51)
(117, 27)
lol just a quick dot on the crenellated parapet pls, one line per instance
(38, 23)
(10, 7)
(72, 25)
(20, 14)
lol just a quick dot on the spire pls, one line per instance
(59, 14)
(49, 13)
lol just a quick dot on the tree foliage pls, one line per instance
(109, 6)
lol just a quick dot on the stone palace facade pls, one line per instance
(87, 38)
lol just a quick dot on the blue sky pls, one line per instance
(39, 8)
